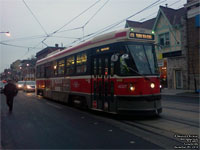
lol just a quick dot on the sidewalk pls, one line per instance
(179, 92)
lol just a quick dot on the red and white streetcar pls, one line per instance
(116, 72)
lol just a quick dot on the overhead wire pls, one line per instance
(175, 2)
(19, 46)
(83, 27)
(154, 12)
(109, 27)
(70, 29)
(96, 13)
(117, 23)
(75, 18)
(25, 38)
(157, 11)
(64, 37)
(35, 17)
(91, 34)
(56, 31)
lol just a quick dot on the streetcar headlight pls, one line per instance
(160, 86)
(152, 85)
(131, 87)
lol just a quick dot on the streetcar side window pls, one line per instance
(38, 71)
(55, 68)
(81, 60)
(42, 71)
(47, 70)
(95, 67)
(70, 65)
(112, 68)
(61, 67)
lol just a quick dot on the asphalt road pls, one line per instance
(36, 123)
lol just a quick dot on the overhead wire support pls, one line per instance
(131, 16)
(70, 29)
(83, 27)
(119, 22)
(96, 13)
(35, 17)
(75, 18)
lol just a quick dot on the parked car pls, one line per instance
(20, 85)
(29, 86)
(2, 85)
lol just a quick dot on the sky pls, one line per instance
(64, 22)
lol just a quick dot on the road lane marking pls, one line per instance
(132, 142)
(95, 123)
(58, 107)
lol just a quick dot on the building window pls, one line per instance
(164, 39)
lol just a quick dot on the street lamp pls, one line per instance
(28, 71)
(6, 33)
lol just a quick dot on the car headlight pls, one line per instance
(28, 87)
(152, 85)
(19, 86)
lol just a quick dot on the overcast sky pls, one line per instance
(30, 21)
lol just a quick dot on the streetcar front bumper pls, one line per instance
(136, 105)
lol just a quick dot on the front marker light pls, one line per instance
(152, 85)
(131, 87)
(131, 29)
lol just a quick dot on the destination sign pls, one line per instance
(103, 49)
(141, 36)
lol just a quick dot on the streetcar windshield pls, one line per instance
(143, 60)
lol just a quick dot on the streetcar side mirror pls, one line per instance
(114, 57)
(125, 56)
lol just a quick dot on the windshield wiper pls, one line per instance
(138, 73)
(133, 69)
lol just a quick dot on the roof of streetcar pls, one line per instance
(115, 35)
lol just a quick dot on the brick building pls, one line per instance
(193, 43)
(44, 52)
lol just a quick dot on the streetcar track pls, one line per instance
(154, 127)
(161, 134)
(133, 123)
(182, 122)
(175, 108)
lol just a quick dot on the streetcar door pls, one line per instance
(100, 82)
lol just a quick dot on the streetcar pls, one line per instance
(116, 72)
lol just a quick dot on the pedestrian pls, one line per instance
(10, 91)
